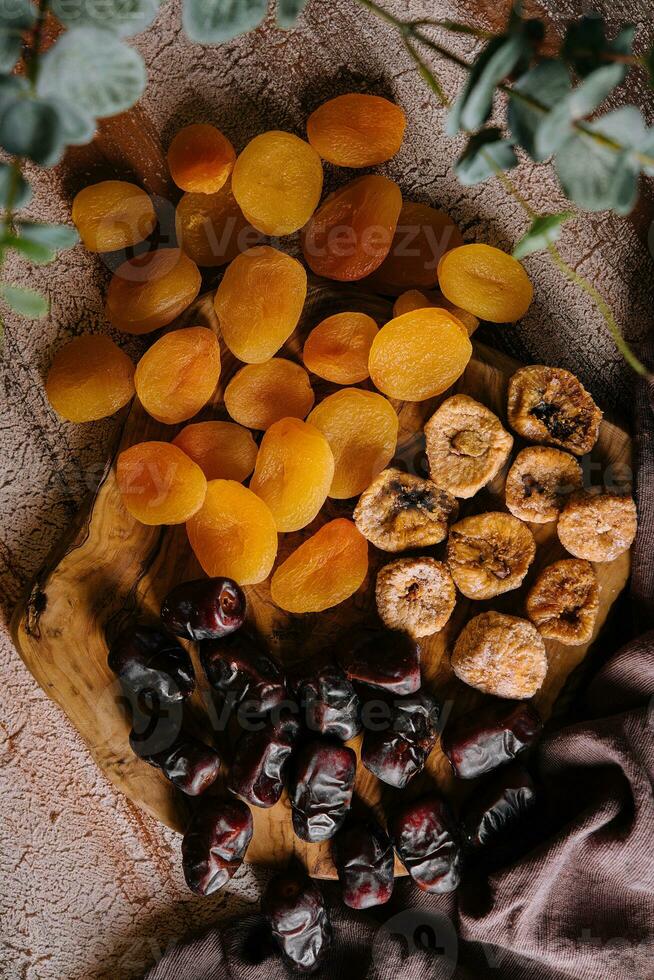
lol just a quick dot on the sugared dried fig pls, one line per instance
(563, 601)
(387, 659)
(539, 483)
(489, 554)
(547, 404)
(215, 843)
(598, 527)
(416, 595)
(466, 445)
(400, 511)
(500, 655)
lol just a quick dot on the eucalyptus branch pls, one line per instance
(427, 74)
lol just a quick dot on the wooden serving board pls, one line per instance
(112, 570)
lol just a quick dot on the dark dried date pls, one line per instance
(204, 609)
(427, 842)
(260, 759)
(493, 815)
(293, 906)
(400, 751)
(363, 855)
(188, 763)
(329, 704)
(150, 662)
(491, 737)
(237, 668)
(384, 659)
(215, 843)
(321, 789)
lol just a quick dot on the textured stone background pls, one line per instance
(89, 886)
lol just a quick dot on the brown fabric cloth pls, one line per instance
(579, 905)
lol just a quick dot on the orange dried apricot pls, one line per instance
(222, 450)
(211, 228)
(422, 236)
(485, 281)
(113, 214)
(277, 182)
(293, 472)
(260, 394)
(200, 158)
(361, 429)
(159, 484)
(350, 234)
(89, 379)
(233, 534)
(414, 299)
(178, 374)
(149, 291)
(419, 355)
(259, 302)
(326, 569)
(338, 348)
(356, 130)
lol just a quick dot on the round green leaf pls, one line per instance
(544, 231)
(31, 128)
(496, 61)
(22, 190)
(549, 83)
(54, 236)
(78, 127)
(121, 17)
(556, 127)
(213, 21)
(485, 153)
(586, 46)
(27, 302)
(16, 16)
(94, 71)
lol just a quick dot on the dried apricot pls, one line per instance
(293, 472)
(414, 299)
(419, 355)
(113, 214)
(178, 374)
(350, 234)
(598, 527)
(361, 428)
(400, 510)
(277, 182)
(422, 236)
(89, 379)
(489, 554)
(259, 302)
(539, 482)
(159, 484)
(260, 394)
(485, 281)
(200, 159)
(356, 130)
(212, 229)
(233, 535)
(326, 569)
(222, 450)
(547, 404)
(564, 600)
(500, 655)
(338, 348)
(149, 291)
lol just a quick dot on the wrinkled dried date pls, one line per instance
(215, 843)
(492, 816)
(321, 789)
(237, 668)
(363, 855)
(295, 910)
(480, 742)
(329, 704)
(427, 843)
(150, 662)
(396, 754)
(386, 660)
(205, 609)
(188, 763)
(260, 758)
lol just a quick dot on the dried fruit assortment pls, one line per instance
(327, 473)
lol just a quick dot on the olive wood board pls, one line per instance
(111, 570)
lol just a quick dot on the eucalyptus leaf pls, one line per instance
(22, 190)
(557, 126)
(12, 88)
(288, 10)
(549, 83)
(213, 21)
(25, 301)
(586, 47)
(54, 236)
(496, 61)
(78, 127)
(16, 16)
(31, 128)
(485, 152)
(121, 17)
(94, 71)
(34, 251)
(544, 231)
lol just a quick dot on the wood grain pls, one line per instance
(113, 569)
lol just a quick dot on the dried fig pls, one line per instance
(466, 445)
(500, 655)
(416, 595)
(539, 481)
(598, 527)
(551, 405)
(400, 511)
(489, 554)
(563, 601)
